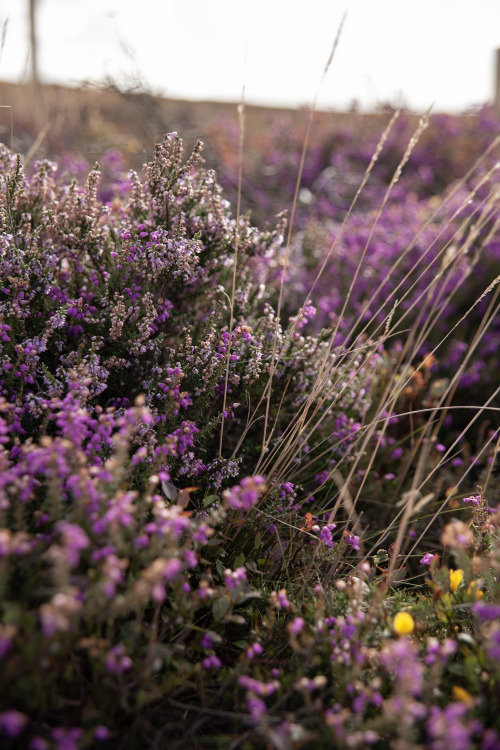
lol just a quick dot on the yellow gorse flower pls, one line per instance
(460, 694)
(456, 577)
(474, 590)
(403, 623)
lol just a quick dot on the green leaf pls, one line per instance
(241, 644)
(457, 669)
(381, 557)
(240, 561)
(210, 500)
(220, 607)
(220, 567)
(236, 619)
(250, 564)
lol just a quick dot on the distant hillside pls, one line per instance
(89, 121)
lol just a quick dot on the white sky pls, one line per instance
(430, 52)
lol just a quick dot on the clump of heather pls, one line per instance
(340, 150)
(183, 557)
(103, 302)
(426, 259)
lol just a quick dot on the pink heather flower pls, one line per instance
(212, 662)
(66, 739)
(158, 592)
(256, 686)
(254, 650)
(141, 541)
(233, 578)
(56, 615)
(352, 540)
(486, 611)
(326, 535)
(12, 722)
(7, 633)
(279, 600)
(117, 662)
(256, 708)
(38, 743)
(101, 733)
(246, 494)
(286, 487)
(474, 499)
(201, 534)
(172, 568)
(427, 558)
(206, 641)
(191, 558)
(296, 625)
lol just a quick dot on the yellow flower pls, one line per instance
(474, 590)
(403, 623)
(456, 577)
(460, 694)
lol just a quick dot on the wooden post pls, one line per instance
(38, 108)
(33, 48)
(497, 80)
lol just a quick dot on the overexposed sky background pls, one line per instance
(431, 52)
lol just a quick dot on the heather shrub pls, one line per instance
(416, 266)
(340, 149)
(426, 259)
(107, 306)
(112, 301)
(215, 503)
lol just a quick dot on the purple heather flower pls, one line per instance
(494, 645)
(201, 534)
(38, 743)
(117, 662)
(233, 578)
(352, 540)
(245, 495)
(401, 657)
(66, 739)
(74, 540)
(326, 536)
(486, 610)
(446, 729)
(101, 733)
(257, 686)
(296, 625)
(254, 650)
(191, 558)
(12, 722)
(427, 558)
(286, 488)
(212, 662)
(256, 708)
(206, 641)
(474, 499)
(172, 569)
(491, 740)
